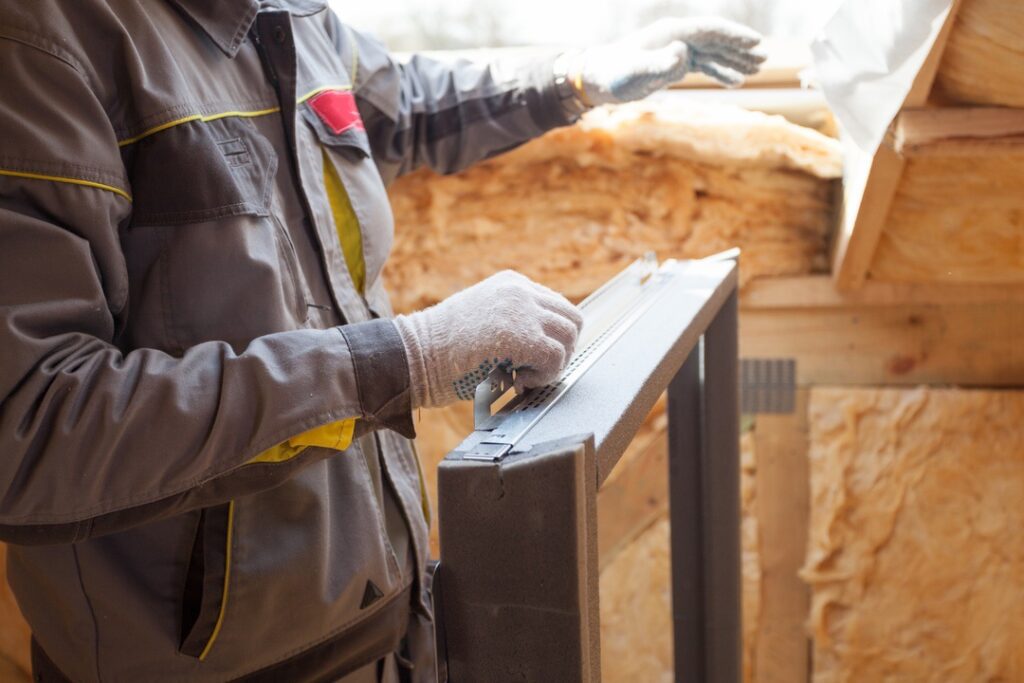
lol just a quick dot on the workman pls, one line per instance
(206, 406)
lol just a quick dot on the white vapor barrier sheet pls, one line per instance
(865, 61)
(866, 58)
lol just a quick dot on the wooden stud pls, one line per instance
(861, 227)
(968, 344)
(783, 511)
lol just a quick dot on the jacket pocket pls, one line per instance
(208, 256)
(205, 596)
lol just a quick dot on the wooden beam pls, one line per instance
(969, 148)
(871, 184)
(864, 213)
(981, 62)
(882, 334)
(916, 128)
(965, 343)
(783, 510)
(819, 291)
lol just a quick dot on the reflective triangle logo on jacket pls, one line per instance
(337, 109)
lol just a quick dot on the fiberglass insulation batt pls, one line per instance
(916, 547)
(574, 207)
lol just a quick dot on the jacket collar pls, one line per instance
(225, 21)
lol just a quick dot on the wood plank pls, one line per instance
(783, 502)
(969, 344)
(981, 62)
(862, 225)
(957, 218)
(819, 291)
(973, 150)
(919, 127)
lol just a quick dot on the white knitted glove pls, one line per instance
(507, 320)
(654, 57)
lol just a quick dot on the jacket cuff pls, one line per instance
(382, 375)
(551, 103)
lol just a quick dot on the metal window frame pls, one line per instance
(517, 595)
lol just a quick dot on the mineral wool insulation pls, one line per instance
(576, 206)
(916, 550)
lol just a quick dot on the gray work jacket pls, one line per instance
(193, 222)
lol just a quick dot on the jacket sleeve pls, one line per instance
(449, 114)
(95, 438)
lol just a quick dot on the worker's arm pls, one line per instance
(448, 114)
(93, 438)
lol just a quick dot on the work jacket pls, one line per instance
(205, 465)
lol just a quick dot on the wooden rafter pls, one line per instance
(918, 130)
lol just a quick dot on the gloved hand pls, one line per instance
(654, 57)
(506, 320)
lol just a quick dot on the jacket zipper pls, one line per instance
(268, 66)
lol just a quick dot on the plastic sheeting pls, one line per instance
(867, 57)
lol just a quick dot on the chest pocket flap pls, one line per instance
(200, 171)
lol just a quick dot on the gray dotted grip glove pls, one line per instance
(661, 54)
(507, 320)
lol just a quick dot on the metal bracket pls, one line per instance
(494, 445)
(497, 384)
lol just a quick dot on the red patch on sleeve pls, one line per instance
(337, 108)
